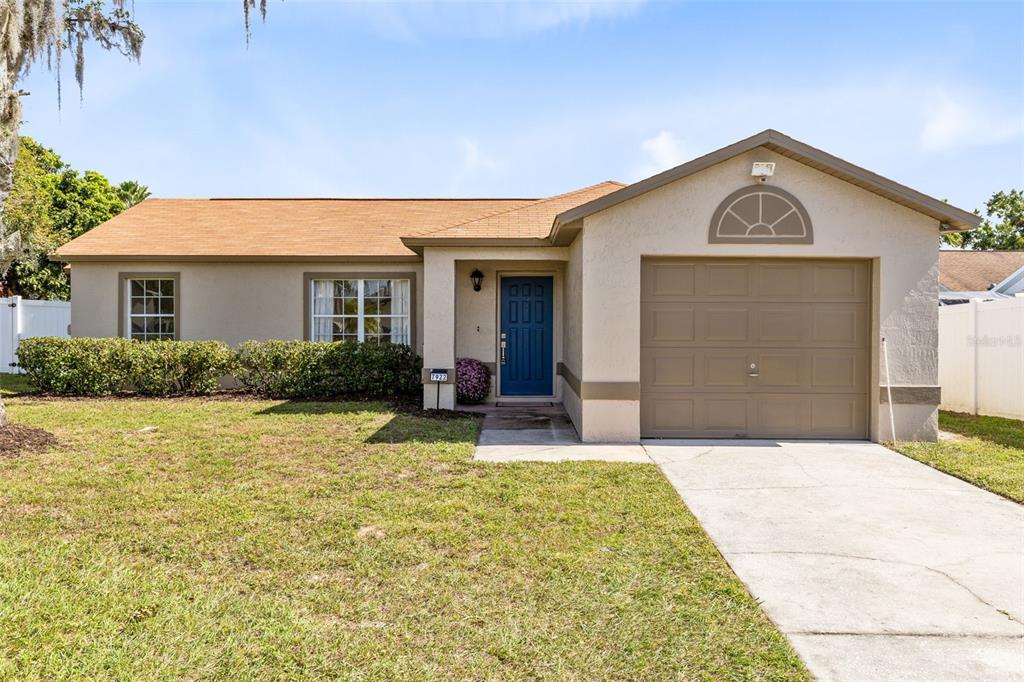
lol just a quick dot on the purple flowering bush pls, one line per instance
(472, 381)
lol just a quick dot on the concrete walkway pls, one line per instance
(875, 566)
(541, 433)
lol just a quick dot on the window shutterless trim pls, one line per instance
(307, 297)
(122, 291)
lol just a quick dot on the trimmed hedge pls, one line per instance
(94, 367)
(275, 369)
(307, 369)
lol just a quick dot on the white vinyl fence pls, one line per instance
(981, 357)
(21, 318)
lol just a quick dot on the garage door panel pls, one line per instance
(782, 415)
(724, 279)
(781, 369)
(803, 324)
(839, 280)
(667, 324)
(844, 324)
(670, 281)
(668, 369)
(739, 324)
(726, 413)
(839, 416)
(723, 369)
(787, 280)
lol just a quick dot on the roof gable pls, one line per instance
(951, 218)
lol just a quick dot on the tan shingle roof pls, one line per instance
(275, 228)
(532, 221)
(977, 270)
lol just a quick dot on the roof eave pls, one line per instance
(951, 218)
(227, 258)
(417, 244)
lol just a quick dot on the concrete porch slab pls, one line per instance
(542, 433)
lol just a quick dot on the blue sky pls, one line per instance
(532, 99)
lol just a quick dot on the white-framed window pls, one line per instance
(366, 310)
(151, 308)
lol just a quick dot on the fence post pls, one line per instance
(972, 336)
(1018, 300)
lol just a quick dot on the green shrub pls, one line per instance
(175, 367)
(307, 369)
(278, 369)
(76, 366)
(86, 366)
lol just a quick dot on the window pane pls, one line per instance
(371, 288)
(136, 287)
(138, 306)
(167, 306)
(370, 306)
(400, 297)
(345, 288)
(399, 329)
(384, 306)
(167, 325)
(167, 287)
(322, 329)
(370, 326)
(152, 287)
(137, 326)
(152, 306)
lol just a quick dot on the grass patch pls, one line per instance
(15, 384)
(266, 540)
(989, 452)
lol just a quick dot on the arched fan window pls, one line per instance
(761, 214)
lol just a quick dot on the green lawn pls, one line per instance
(268, 540)
(989, 452)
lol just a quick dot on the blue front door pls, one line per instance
(526, 332)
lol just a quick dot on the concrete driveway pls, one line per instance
(875, 566)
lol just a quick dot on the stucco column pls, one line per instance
(438, 325)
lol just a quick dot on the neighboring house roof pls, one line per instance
(951, 218)
(529, 222)
(314, 229)
(974, 271)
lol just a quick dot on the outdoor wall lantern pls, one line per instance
(478, 279)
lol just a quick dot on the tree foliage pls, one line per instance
(132, 193)
(1003, 226)
(50, 204)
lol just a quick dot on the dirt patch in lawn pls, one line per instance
(16, 439)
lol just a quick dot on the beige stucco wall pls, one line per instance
(673, 220)
(231, 302)
(572, 327)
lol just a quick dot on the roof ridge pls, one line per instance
(351, 198)
(517, 208)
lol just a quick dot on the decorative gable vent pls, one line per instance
(761, 214)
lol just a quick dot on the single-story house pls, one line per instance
(982, 275)
(746, 293)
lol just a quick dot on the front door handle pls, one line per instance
(503, 352)
(753, 370)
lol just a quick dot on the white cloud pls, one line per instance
(663, 151)
(952, 122)
(474, 160)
